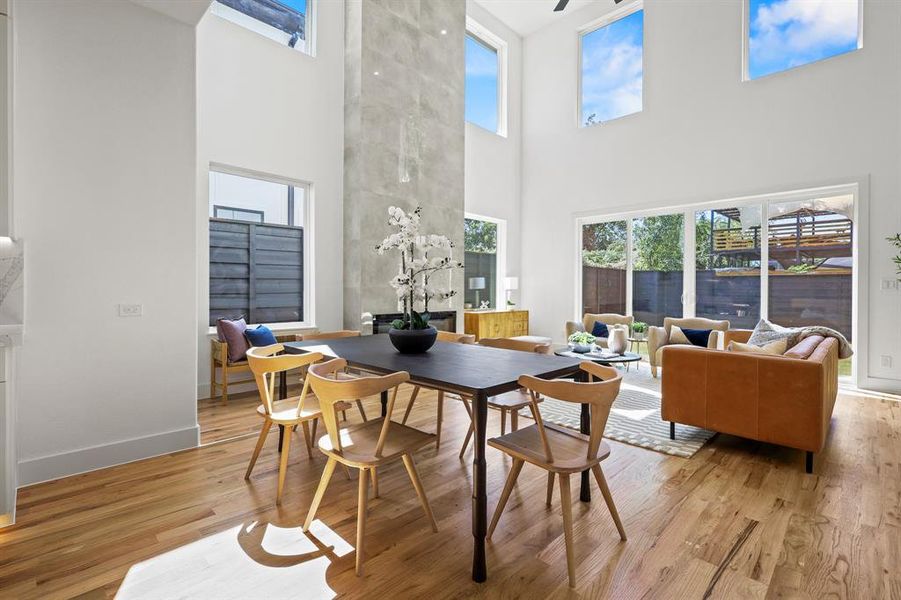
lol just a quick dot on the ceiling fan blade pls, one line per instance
(561, 5)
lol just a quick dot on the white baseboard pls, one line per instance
(55, 466)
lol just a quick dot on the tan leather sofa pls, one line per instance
(658, 337)
(785, 400)
(608, 319)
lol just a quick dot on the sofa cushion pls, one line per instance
(805, 347)
(693, 337)
(766, 332)
(260, 336)
(232, 333)
(600, 330)
(776, 348)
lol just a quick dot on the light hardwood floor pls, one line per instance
(739, 520)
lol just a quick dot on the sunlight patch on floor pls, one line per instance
(253, 560)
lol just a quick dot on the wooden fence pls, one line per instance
(796, 300)
(256, 271)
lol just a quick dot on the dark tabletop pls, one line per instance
(468, 368)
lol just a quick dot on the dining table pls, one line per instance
(471, 370)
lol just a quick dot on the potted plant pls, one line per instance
(422, 257)
(639, 330)
(581, 342)
(896, 242)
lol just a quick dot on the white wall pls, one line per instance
(273, 110)
(706, 135)
(492, 162)
(104, 147)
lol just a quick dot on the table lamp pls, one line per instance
(477, 283)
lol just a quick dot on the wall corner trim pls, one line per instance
(56, 466)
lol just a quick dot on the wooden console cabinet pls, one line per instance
(496, 323)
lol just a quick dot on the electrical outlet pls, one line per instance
(131, 310)
(886, 361)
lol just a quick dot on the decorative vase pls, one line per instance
(616, 342)
(413, 341)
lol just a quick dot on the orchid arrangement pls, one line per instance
(422, 257)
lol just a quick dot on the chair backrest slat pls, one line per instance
(266, 362)
(521, 345)
(329, 335)
(334, 393)
(599, 394)
(458, 338)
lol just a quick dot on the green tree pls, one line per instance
(658, 243)
(479, 236)
(604, 244)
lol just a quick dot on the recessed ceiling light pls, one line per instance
(444, 32)
(375, 72)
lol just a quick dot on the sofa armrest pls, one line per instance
(657, 338)
(572, 327)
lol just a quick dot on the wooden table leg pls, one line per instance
(281, 437)
(584, 427)
(384, 403)
(479, 482)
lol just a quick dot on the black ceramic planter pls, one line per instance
(413, 341)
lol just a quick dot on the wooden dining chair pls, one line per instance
(450, 337)
(265, 363)
(508, 402)
(334, 335)
(560, 451)
(366, 446)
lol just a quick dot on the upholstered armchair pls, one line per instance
(658, 337)
(609, 319)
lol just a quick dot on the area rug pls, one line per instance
(634, 419)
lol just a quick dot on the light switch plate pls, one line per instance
(131, 310)
(888, 284)
(886, 361)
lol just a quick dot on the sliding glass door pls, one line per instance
(787, 258)
(727, 265)
(657, 273)
(604, 264)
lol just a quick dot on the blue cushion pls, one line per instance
(600, 330)
(261, 336)
(698, 337)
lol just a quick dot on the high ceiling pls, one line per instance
(528, 16)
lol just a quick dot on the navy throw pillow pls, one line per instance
(261, 336)
(600, 330)
(698, 337)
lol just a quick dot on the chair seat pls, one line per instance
(359, 443)
(569, 448)
(514, 400)
(285, 411)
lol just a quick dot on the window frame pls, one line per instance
(487, 38)
(309, 233)
(501, 255)
(267, 31)
(746, 44)
(858, 190)
(609, 18)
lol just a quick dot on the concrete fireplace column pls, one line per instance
(403, 137)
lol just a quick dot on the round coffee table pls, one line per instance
(626, 358)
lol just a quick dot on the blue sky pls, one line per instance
(612, 66)
(298, 5)
(789, 33)
(481, 85)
